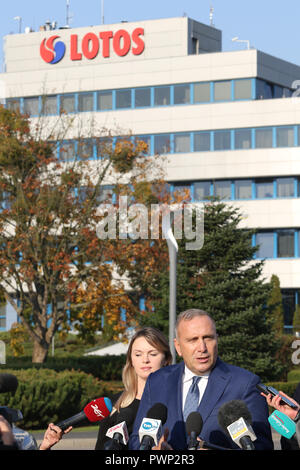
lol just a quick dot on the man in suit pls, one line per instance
(196, 342)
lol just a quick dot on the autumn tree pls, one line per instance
(50, 252)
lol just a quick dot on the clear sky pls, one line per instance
(272, 26)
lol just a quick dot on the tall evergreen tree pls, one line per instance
(224, 279)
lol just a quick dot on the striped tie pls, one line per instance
(192, 399)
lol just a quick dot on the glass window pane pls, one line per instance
(182, 190)
(242, 89)
(123, 99)
(31, 106)
(285, 187)
(13, 104)
(202, 142)
(285, 137)
(264, 189)
(222, 140)
(147, 140)
(201, 190)
(265, 243)
(182, 143)
(243, 189)
(104, 100)
(222, 189)
(49, 104)
(85, 102)
(222, 91)
(67, 103)
(181, 94)
(105, 194)
(242, 139)
(86, 149)
(285, 243)
(263, 138)
(67, 151)
(142, 97)
(162, 143)
(201, 92)
(162, 96)
(104, 146)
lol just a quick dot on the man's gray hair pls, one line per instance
(189, 315)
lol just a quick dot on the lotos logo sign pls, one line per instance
(91, 45)
(52, 51)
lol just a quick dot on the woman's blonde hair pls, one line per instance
(129, 376)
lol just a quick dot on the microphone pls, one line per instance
(282, 424)
(118, 433)
(151, 428)
(193, 428)
(94, 411)
(8, 383)
(235, 419)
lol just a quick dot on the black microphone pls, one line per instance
(235, 419)
(151, 428)
(119, 432)
(8, 383)
(193, 428)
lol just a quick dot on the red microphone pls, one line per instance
(94, 411)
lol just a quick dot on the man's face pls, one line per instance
(197, 344)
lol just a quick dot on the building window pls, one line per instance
(243, 189)
(285, 137)
(263, 138)
(142, 97)
(67, 151)
(85, 149)
(162, 144)
(13, 104)
(104, 100)
(202, 142)
(201, 190)
(123, 99)
(85, 102)
(201, 92)
(265, 244)
(182, 94)
(242, 139)
(285, 187)
(162, 96)
(49, 105)
(222, 140)
(264, 189)
(182, 190)
(222, 189)
(104, 147)
(31, 106)
(182, 143)
(222, 91)
(285, 244)
(67, 103)
(243, 89)
(147, 140)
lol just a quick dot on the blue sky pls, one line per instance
(271, 26)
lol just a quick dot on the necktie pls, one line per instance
(192, 398)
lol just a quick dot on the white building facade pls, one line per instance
(227, 122)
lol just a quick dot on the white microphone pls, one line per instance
(150, 430)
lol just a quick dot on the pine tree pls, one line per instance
(224, 279)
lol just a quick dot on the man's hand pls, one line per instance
(52, 436)
(163, 444)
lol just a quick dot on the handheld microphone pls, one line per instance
(235, 419)
(151, 428)
(94, 411)
(193, 428)
(282, 424)
(8, 383)
(118, 433)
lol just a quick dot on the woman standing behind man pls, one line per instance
(148, 351)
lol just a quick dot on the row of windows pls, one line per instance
(258, 188)
(143, 97)
(280, 243)
(186, 142)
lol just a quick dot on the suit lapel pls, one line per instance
(217, 382)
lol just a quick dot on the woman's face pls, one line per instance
(145, 358)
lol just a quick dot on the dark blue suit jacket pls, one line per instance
(225, 383)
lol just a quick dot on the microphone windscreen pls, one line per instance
(231, 412)
(98, 409)
(158, 411)
(8, 383)
(194, 423)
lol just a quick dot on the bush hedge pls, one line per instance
(44, 395)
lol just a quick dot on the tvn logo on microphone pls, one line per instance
(152, 428)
